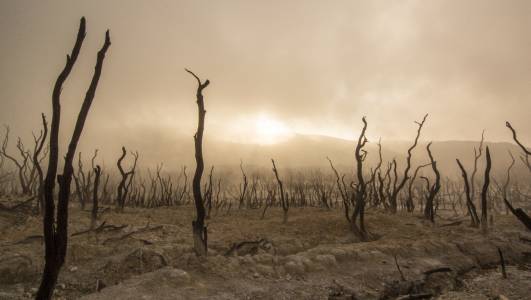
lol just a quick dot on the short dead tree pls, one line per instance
(199, 230)
(39, 144)
(525, 150)
(429, 212)
(21, 163)
(56, 230)
(393, 199)
(127, 178)
(94, 213)
(283, 201)
(469, 203)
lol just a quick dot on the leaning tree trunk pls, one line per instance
(199, 229)
(56, 231)
(283, 201)
(469, 203)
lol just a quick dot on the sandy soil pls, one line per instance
(313, 256)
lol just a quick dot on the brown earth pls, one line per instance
(313, 256)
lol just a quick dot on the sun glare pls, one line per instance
(270, 131)
(259, 128)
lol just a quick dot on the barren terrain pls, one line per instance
(148, 254)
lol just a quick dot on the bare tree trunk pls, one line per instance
(396, 189)
(39, 145)
(94, 214)
(283, 201)
(527, 153)
(470, 204)
(484, 192)
(360, 193)
(429, 212)
(199, 229)
(56, 232)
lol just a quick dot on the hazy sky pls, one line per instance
(276, 67)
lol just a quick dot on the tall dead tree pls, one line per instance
(469, 200)
(484, 192)
(283, 201)
(397, 188)
(429, 212)
(56, 231)
(199, 229)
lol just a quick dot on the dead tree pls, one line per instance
(199, 229)
(94, 214)
(527, 153)
(243, 187)
(410, 205)
(469, 203)
(484, 193)
(361, 188)
(396, 189)
(127, 178)
(342, 190)
(209, 194)
(56, 231)
(39, 144)
(477, 156)
(21, 164)
(508, 178)
(429, 212)
(283, 201)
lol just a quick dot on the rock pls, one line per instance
(177, 276)
(16, 269)
(295, 268)
(265, 270)
(326, 260)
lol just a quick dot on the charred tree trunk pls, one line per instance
(470, 204)
(123, 186)
(429, 212)
(396, 189)
(284, 202)
(527, 153)
(358, 215)
(94, 214)
(56, 231)
(199, 229)
(484, 192)
(39, 145)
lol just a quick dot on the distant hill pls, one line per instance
(298, 151)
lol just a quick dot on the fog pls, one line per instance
(308, 67)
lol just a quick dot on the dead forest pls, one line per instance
(73, 228)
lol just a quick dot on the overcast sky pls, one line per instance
(313, 67)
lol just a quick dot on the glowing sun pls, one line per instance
(269, 130)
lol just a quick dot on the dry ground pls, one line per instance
(314, 256)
